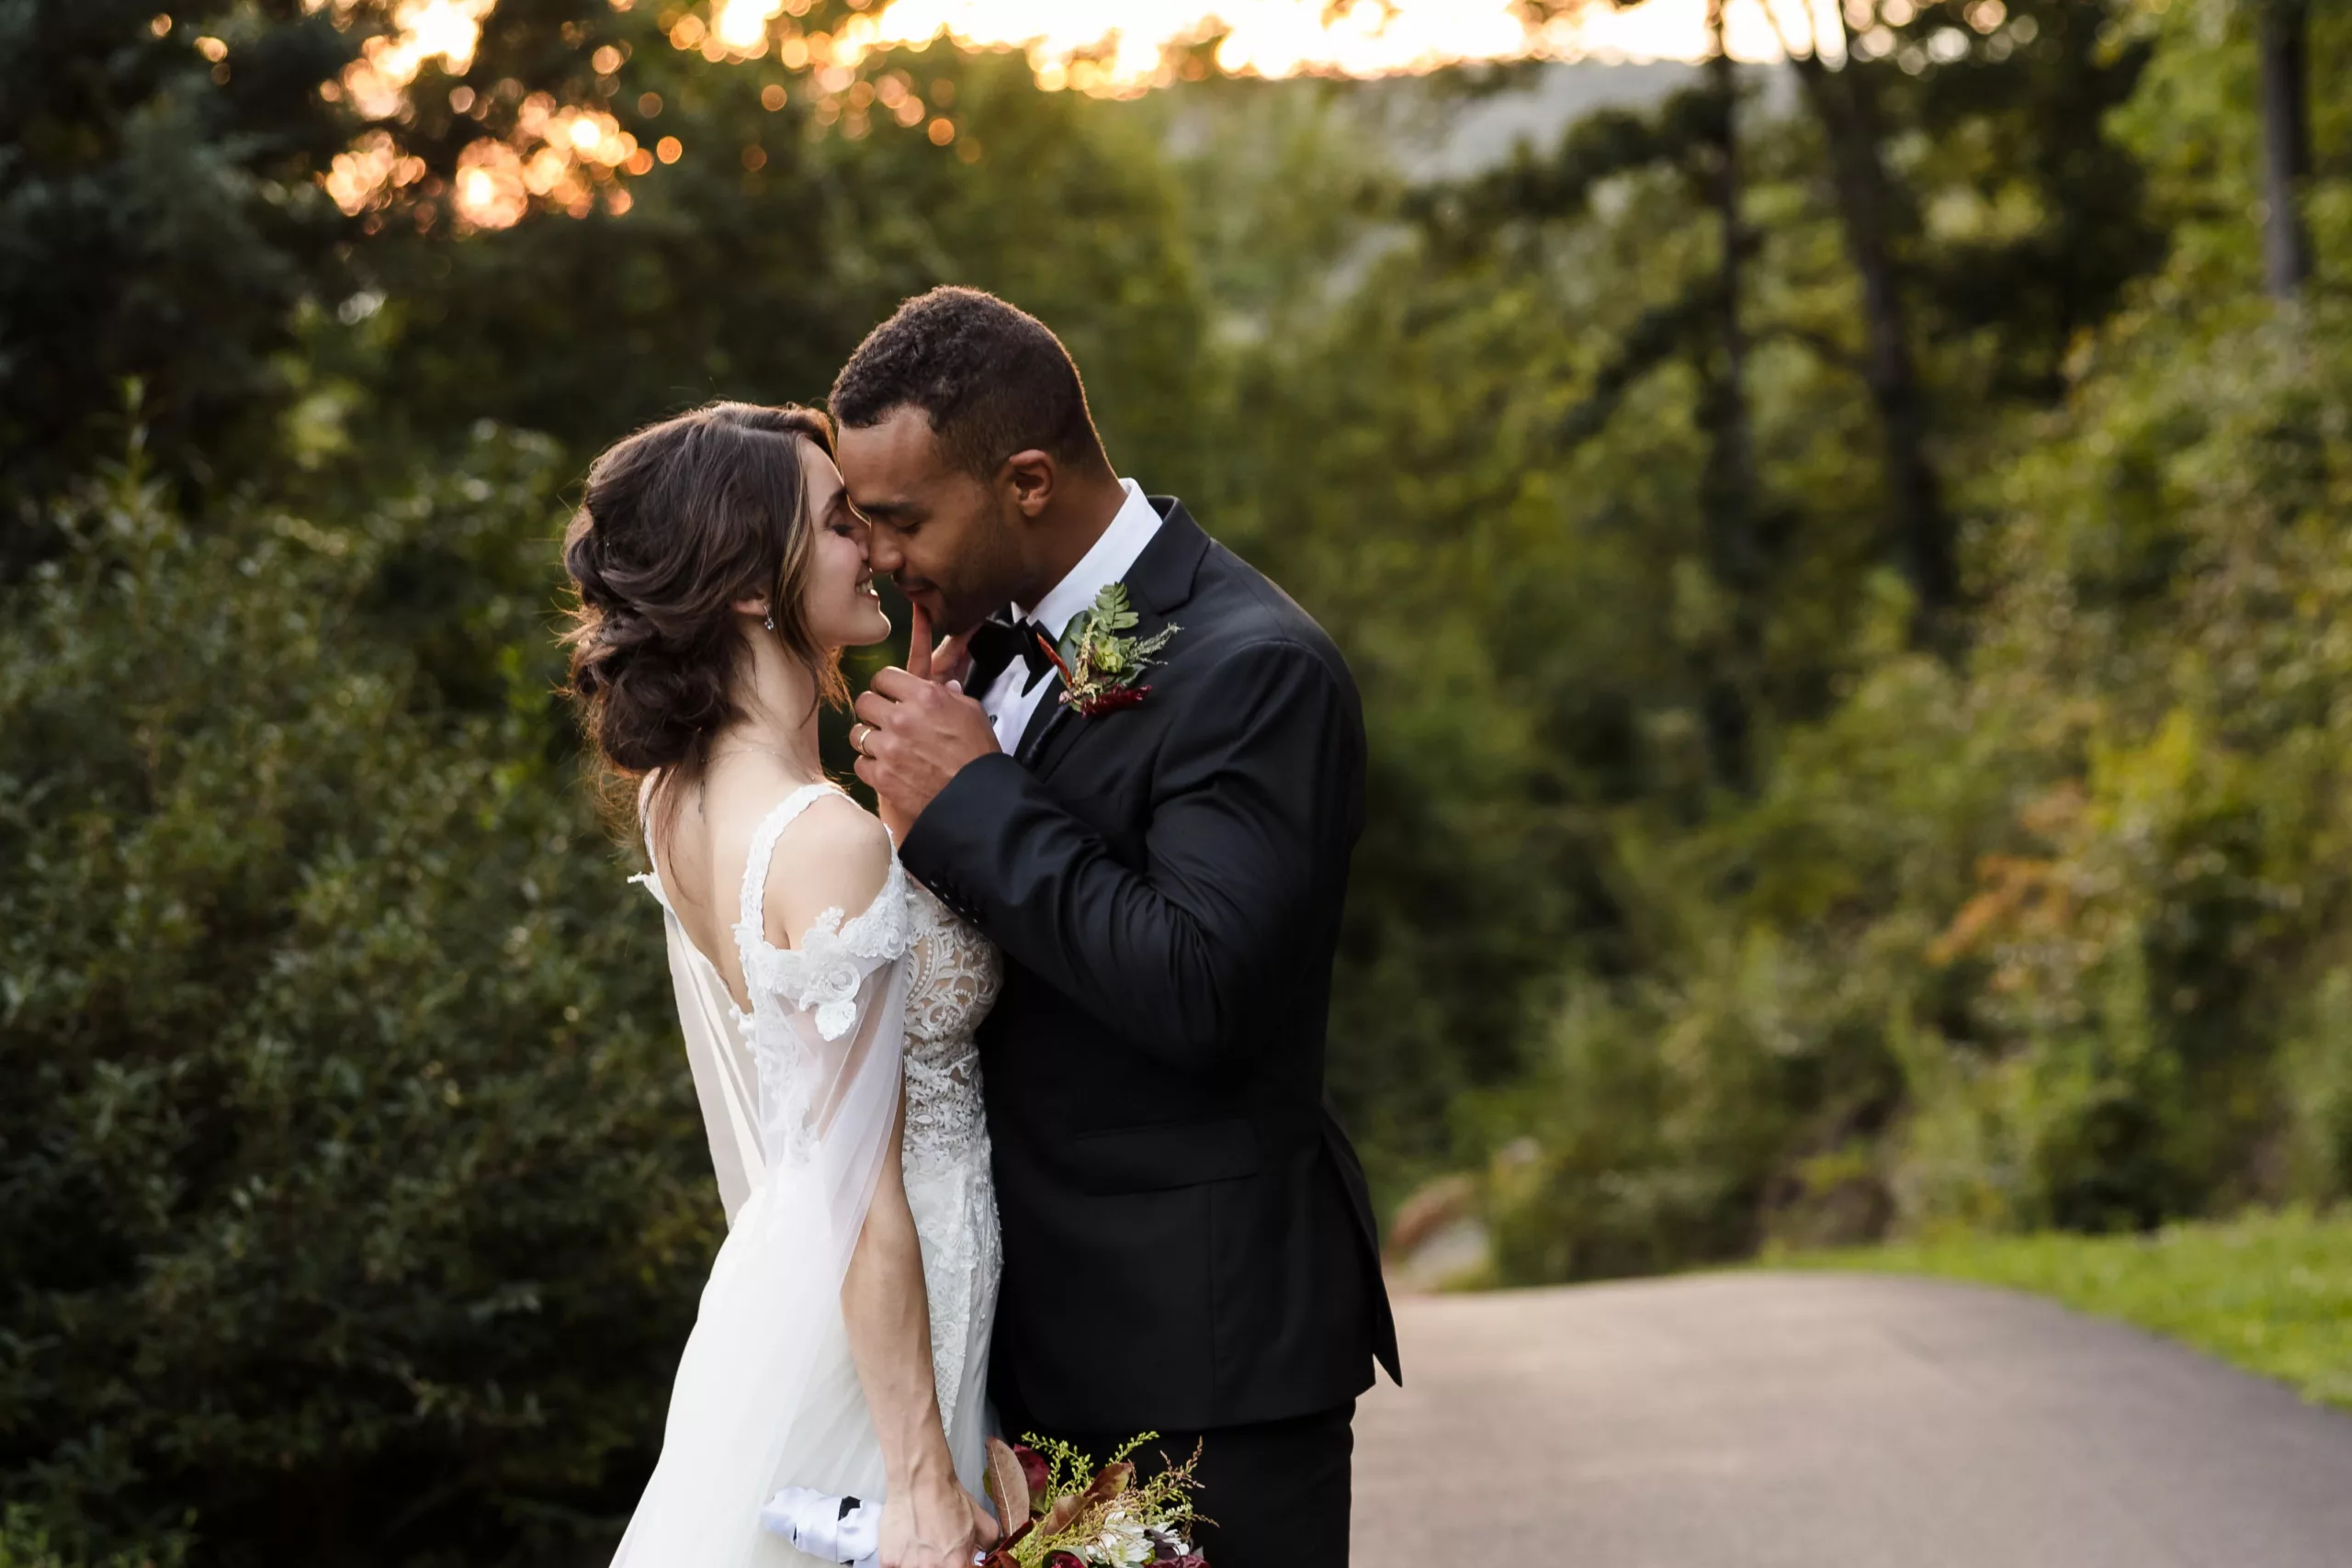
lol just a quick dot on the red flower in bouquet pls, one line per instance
(1064, 1560)
(1034, 1469)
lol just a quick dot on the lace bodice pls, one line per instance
(952, 983)
(953, 973)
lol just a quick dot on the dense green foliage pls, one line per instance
(1737, 874)
(2269, 1291)
(346, 1185)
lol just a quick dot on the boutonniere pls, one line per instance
(1105, 665)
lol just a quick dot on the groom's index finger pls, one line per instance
(891, 686)
(951, 660)
(919, 646)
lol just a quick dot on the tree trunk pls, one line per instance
(1729, 489)
(1844, 104)
(1735, 435)
(2283, 41)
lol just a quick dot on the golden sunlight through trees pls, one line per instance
(564, 157)
(446, 31)
(570, 158)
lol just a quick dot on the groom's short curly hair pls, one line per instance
(992, 379)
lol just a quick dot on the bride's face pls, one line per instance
(839, 603)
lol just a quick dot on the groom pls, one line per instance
(1189, 1247)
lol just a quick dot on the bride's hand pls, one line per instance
(934, 1524)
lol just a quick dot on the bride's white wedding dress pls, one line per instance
(798, 1096)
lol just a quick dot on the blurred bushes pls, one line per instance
(354, 1208)
(25, 1542)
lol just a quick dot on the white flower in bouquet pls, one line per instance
(1126, 1542)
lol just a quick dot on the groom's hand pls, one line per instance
(916, 732)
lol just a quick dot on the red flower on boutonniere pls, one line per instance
(1103, 671)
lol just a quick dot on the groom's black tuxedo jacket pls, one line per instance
(1188, 1240)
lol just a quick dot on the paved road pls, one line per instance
(1830, 1421)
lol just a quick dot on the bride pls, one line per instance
(828, 1003)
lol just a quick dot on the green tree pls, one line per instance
(156, 221)
(2044, 936)
(725, 280)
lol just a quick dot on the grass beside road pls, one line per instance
(2270, 1293)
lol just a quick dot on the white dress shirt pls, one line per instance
(1012, 700)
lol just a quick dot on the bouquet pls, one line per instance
(1059, 1511)
(1056, 1509)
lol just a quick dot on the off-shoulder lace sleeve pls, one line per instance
(827, 1013)
(821, 975)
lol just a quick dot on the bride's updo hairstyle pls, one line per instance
(678, 521)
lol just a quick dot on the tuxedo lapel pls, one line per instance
(1163, 575)
(1049, 712)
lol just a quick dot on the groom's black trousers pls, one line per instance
(1278, 1491)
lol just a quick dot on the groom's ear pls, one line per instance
(1032, 475)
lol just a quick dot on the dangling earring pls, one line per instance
(771, 623)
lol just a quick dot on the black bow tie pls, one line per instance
(997, 643)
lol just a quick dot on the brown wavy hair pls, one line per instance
(677, 523)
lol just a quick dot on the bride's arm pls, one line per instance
(927, 1520)
(843, 862)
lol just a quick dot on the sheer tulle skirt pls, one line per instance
(767, 1395)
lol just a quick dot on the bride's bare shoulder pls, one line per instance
(835, 855)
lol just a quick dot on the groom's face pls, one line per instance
(949, 539)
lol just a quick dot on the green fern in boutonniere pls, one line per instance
(1101, 674)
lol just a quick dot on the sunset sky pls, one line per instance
(1278, 37)
(1268, 38)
